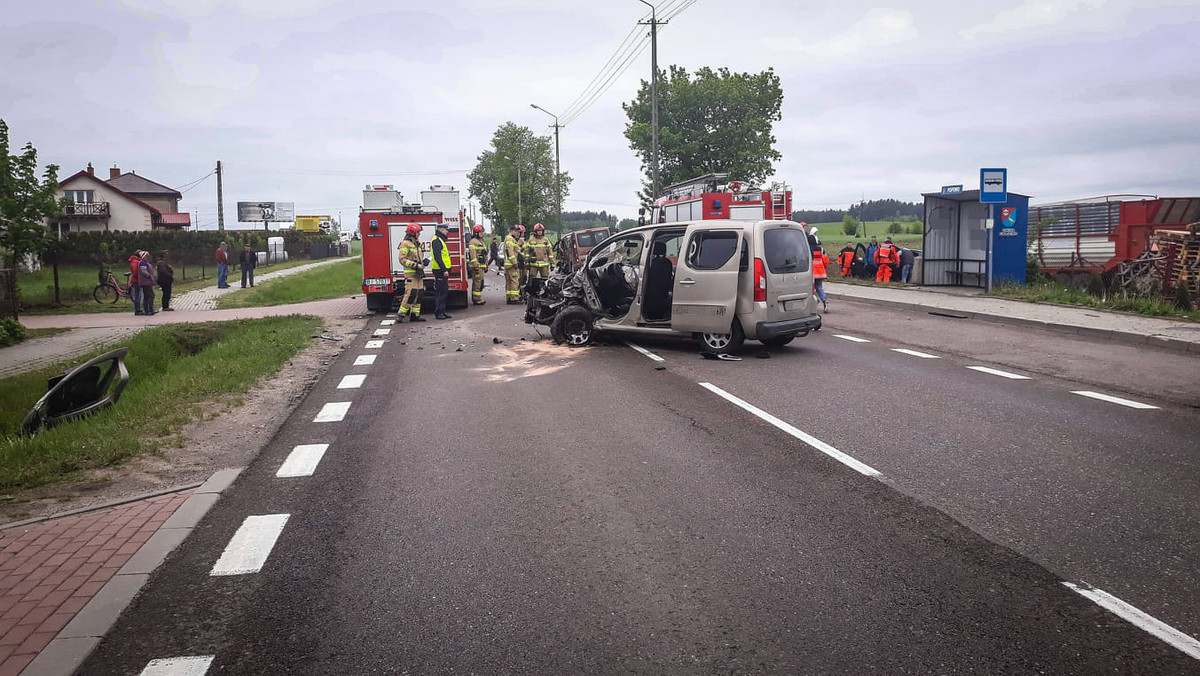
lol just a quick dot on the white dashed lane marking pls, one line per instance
(914, 353)
(1148, 623)
(1114, 400)
(852, 463)
(351, 382)
(382, 332)
(644, 351)
(850, 338)
(334, 411)
(387, 322)
(251, 545)
(179, 666)
(374, 344)
(364, 360)
(997, 372)
(302, 461)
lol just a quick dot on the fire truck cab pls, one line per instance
(716, 197)
(382, 221)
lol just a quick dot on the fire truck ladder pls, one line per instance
(779, 211)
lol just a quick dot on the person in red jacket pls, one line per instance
(135, 290)
(820, 266)
(885, 257)
(846, 258)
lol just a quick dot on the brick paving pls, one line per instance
(50, 570)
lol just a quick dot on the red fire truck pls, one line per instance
(381, 224)
(715, 197)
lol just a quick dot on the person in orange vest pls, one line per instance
(885, 256)
(820, 264)
(846, 258)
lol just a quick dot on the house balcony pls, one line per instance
(86, 210)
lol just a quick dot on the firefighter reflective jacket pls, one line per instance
(410, 256)
(539, 252)
(512, 250)
(820, 262)
(886, 254)
(846, 257)
(441, 254)
(479, 252)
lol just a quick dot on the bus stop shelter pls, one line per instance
(973, 244)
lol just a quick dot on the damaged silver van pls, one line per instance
(719, 281)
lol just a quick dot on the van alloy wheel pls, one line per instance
(724, 343)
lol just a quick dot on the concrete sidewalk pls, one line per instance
(206, 298)
(1175, 334)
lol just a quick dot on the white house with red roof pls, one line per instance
(125, 202)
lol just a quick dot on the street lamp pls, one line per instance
(520, 217)
(557, 168)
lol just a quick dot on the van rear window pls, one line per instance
(786, 250)
(585, 239)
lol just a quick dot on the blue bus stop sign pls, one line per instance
(993, 186)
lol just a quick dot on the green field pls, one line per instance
(329, 281)
(832, 237)
(173, 369)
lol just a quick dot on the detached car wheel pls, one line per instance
(724, 343)
(573, 326)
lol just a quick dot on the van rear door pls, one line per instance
(788, 269)
(706, 278)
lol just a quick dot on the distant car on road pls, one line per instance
(575, 246)
(720, 281)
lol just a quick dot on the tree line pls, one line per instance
(871, 210)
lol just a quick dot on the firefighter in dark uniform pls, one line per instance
(440, 253)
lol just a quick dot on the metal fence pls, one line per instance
(8, 294)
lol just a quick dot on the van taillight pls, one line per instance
(760, 282)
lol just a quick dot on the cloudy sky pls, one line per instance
(309, 100)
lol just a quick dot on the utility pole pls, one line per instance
(220, 201)
(653, 23)
(557, 168)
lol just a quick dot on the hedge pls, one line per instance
(190, 248)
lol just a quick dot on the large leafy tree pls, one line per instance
(25, 201)
(714, 121)
(494, 180)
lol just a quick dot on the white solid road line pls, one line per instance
(816, 443)
(334, 411)
(382, 332)
(364, 360)
(1114, 400)
(387, 322)
(1148, 623)
(850, 338)
(644, 351)
(251, 545)
(374, 344)
(996, 372)
(914, 353)
(179, 666)
(352, 382)
(302, 461)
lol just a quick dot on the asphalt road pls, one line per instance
(526, 508)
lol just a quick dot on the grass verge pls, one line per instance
(173, 370)
(833, 238)
(328, 281)
(1051, 291)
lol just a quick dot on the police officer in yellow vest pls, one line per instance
(539, 254)
(414, 274)
(478, 264)
(512, 272)
(440, 253)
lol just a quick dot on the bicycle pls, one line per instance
(110, 290)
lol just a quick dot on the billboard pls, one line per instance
(263, 212)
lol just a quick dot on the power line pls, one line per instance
(192, 184)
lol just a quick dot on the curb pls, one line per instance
(1123, 337)
(96, 508)
(76, 641)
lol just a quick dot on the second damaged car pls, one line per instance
(720, 282)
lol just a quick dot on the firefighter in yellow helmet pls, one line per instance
(478, 264)
(413, 263)
(539, 253)
(512, 272)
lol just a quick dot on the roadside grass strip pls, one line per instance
(364, 360)
(914, 353)
(247, 552)
(857, 466)
(374, 344)
(302, 461)
(1148, 623)
(334, 411)
(648, 353)
(997, 372)
(852, 339)
(177, 373)
(1114, 400)
(179, 666)
(351, 382)
(327, 281)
